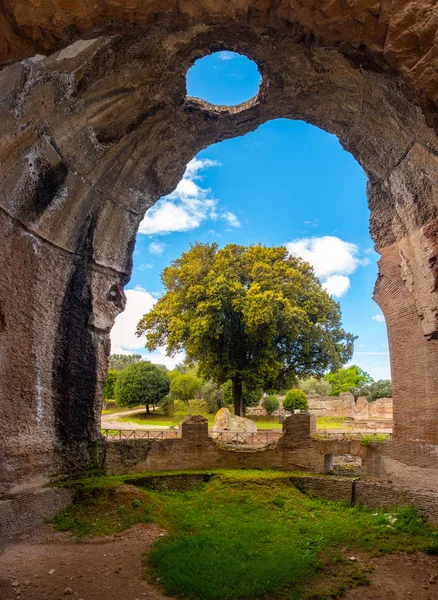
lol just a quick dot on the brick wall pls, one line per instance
(368, 493)
(22, 512)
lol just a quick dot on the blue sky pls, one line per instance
(286, 183)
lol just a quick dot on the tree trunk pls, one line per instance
(239, 409)
(188, 408)
(148, 412)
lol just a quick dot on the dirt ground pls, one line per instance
(53, 566)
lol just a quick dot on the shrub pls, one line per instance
(212, 394)
(271, 404)
(312, 385)
(295, 399)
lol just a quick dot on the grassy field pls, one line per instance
(198, 407)
(249, 535)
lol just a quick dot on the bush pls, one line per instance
(312, 386)
(212, 394)
(295, 400)
(271, 404)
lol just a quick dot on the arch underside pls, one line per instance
(94, 134)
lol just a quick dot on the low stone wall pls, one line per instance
(343, 405)
(21, 513)
(368, 493)
(294, 451)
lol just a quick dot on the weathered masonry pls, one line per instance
(95, 132)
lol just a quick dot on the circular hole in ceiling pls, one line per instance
(223, 78)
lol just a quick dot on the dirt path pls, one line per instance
(105, 568)
(99, 569)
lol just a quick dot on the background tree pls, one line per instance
(185, 388)
(375, 390)
(142, 383)
(312, 385)
(253, 314)
(295, 399)
(381, 389)
(109, 392)
(271, 404)
(117, 362)
(212, 394)
(343, 380)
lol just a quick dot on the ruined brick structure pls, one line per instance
(94, 133)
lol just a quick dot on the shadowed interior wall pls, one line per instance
(93, 135)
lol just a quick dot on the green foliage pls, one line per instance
(375, 390)
(343, 380)
(118, 362)
(212, 394)
(185, 388)
(103, 511)
(168, 406)
(141, 383)
(271, 404)
(312, 386)
(295, 399)
(255, 315)
(109, 392)
(227, 393)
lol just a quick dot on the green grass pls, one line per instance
(249, 535)
(104, 510)
(332, 423)
(198, 407)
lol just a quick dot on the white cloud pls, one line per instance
(187, 206)
(230, 218)
(379, 318)
(156, 248)
(123, 338)
(333, 260)
(226, 55)
(138, 303)
(145, 267)
(336, 285)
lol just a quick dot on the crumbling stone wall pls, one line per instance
(94, 134)
(294, 451)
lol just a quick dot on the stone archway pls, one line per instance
(93, 135)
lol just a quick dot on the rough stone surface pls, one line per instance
(225, 422)
(95, 133)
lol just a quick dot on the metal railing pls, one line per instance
(140, 434)
(261, 438)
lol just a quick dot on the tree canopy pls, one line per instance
(185, 387)
(142, 383)
(344, 380)
(109, 388)
(255, 315)
(117, 362)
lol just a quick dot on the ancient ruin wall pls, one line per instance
(93, 135)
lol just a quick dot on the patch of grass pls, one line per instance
(104, 510)
(332, 423)
(248, 535)
(251, 535)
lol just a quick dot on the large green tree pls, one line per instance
(347, 379)
(255, 315)
(142, 383)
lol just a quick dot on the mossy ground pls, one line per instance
(250, 535)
